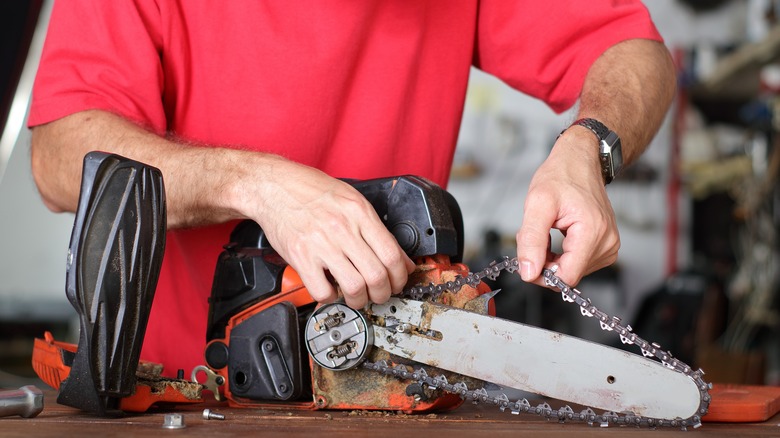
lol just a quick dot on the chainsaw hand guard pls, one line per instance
(114, 261)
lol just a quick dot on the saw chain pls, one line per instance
(566, 413)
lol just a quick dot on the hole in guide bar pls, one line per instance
(610, 379)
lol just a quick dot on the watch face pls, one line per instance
(610, 143)
(611, 157)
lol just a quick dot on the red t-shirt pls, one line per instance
(357, 89)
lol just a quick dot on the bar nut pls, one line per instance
(173, 421)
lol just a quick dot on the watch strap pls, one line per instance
(594, 125)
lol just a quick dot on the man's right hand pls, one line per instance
(323, 227)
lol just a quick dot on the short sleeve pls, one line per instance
(101, 55)
(544, 49)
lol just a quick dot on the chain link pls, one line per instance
(566, 413)
(433, 290)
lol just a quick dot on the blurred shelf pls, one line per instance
(737, 75)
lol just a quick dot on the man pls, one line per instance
(252, 109)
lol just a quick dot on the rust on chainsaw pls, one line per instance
(150, 374)
(361, 387)
(150, 389)
(149, 370)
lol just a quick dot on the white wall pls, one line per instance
(34, 244)
(33, 241)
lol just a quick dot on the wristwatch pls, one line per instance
(610, 152)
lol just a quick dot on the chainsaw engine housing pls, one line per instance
(259, 306)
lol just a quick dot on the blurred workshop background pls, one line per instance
(698, 214)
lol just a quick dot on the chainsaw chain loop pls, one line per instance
(566, 413)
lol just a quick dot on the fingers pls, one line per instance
(321, 288)
(397, 265)
(591, 240)
(338, 245)
(533, 239)
(578, 252)
(372, 269)
(356, 269)
(356, 273)
(589, 244)
(379, 267)
(563, 197)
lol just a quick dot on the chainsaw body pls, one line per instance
(259, 307)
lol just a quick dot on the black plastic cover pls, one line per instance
(244, 275)
(423, 217)
(114, 259)
(265, 360)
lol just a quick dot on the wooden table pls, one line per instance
(467, 421)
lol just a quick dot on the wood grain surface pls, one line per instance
(467, 421)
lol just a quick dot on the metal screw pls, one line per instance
(208, 415)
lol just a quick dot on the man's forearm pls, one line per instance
(629, 89)
(316, 223)
(198, 189)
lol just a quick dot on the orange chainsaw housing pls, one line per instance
(357, 388)
(49, 362)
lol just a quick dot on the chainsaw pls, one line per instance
(431, 348)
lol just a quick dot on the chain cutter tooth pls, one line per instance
(565, 413)
(584, 310)
(461, 389)
(480, 395)
(566, 297)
